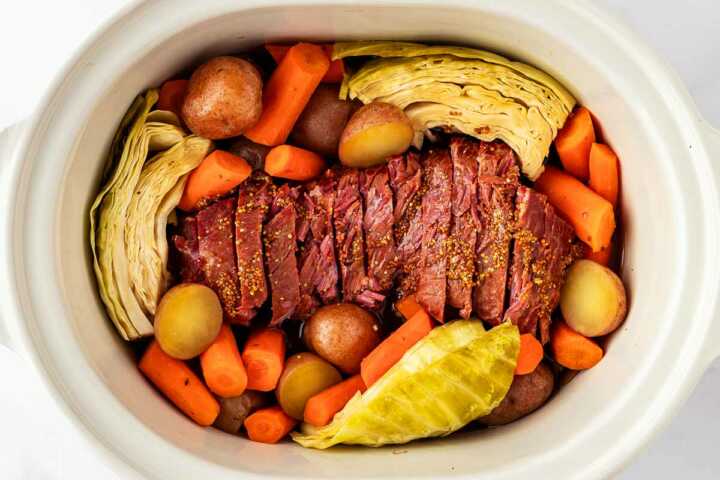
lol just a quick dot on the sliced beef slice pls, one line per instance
(497, 182)
(542, 251)
(436, 215)
(318, 266)
(254, 197)
(188, 252)
(406, 176)
(217, 250)
(463, 229)
(378, 227)
(349, 241)
(279, 238)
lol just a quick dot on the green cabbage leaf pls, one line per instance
(457, 373)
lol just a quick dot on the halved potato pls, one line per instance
(593, 300)
(375, 132)
(305, 374)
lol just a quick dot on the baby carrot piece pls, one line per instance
(293, 163)
(530, 356)
(334, 74)
(602, 257)
(572, 350)
(408, 306)
(573, 143)
(175, 379)
(264, 358)
(391, 350)
(222, 366)
(590, 214)
(217, 174)
(322, 407)
(287, 92)
(172, 95)
(604, 176)
(277, 52)
(269, 425)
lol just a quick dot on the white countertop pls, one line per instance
(37, 442)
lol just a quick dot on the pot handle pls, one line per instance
(8, 140)
(711, 137)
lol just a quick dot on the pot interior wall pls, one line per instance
(600, 81)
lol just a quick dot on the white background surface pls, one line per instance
(36, 37)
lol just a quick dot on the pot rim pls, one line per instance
(18, 304)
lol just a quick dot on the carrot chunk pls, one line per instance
(590, 214)
(391, 350)
(604, 175)
(222, 366)
(293, 163)
(287, 92)
(171, 96)
(408, 306)
(269, 425)
(216, 175)
(530, 356)
(175, 379)
(335, 72)
(572, 350)
(322, 407)
(264, 358)
(573, 143)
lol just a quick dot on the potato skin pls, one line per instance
(375, 132)
(343, 334)
(374, 113)
(527, 393)
(322, 122)
(224, 98)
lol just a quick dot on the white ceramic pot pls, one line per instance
(50, 173)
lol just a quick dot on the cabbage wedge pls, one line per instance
(472, 91)
(137, 197)
(157, 193)
(457, 373)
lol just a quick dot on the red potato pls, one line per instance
(527, 393)
(224, 98)
(322, 122)
(342, 334)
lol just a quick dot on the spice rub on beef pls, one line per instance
(542, 251)
(349, 241)
(254, 197)
(436, 214)
(405, 174)
(497, 182)
(279, 238)
(217, 250)
(378, 227)
(463, 229)
(317, 263)
(187, 250)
